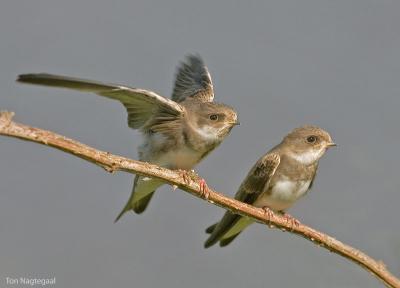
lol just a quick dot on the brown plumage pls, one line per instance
(277, 180)
(178, 132)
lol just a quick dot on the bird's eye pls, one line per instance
(214, 117)
(311, 139)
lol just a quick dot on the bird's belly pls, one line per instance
(283, 194)
(184, 158)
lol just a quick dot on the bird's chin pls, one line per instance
(309, 157)
(223, 133)
(228, 130)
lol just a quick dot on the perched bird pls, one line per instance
(276, 181)
(178, 133)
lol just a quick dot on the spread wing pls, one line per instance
(254, 184)
(193, 80)
(143, 106)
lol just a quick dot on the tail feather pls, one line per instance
(142, 192)
(128, 205)
(224, 242)
(126, 209)
(210, 241)
(141, 205)
(138, 207)
(214, 237)
(225, 231)
(210, 229)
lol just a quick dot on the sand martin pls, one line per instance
(276, 181)
(178, 133)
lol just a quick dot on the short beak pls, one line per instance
(331, 144)
(235, 123)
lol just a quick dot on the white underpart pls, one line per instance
(289, 190)
(151, 143)
(182, 158)
(283, 194)
(308, 157)
(207, 132)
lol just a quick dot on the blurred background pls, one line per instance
(281, 64)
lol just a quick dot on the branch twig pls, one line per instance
(112, 163)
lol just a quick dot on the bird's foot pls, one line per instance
(269, 214)
(290, 219)
(204, 191)
(186, 175)
(189, 176)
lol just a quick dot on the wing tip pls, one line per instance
(212, 239)
(24, 77)
(209, 243)
(120, 215)
(194, 59)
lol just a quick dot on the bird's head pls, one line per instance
(214, 120)
(307, 144)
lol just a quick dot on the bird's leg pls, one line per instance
(290, 219)
(268, 213)
(205, 192)
(186, 175)
(191, 175)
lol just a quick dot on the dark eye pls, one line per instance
(214, 117)
(311, 139)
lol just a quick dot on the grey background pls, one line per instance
(281, 63)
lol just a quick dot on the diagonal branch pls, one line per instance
(112, 163)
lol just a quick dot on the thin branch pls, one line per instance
(112, 163)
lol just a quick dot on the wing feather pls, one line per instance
(255, 183)
(193, 80)
(140, 104)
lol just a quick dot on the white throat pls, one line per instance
(309, 157)
(207, 133)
